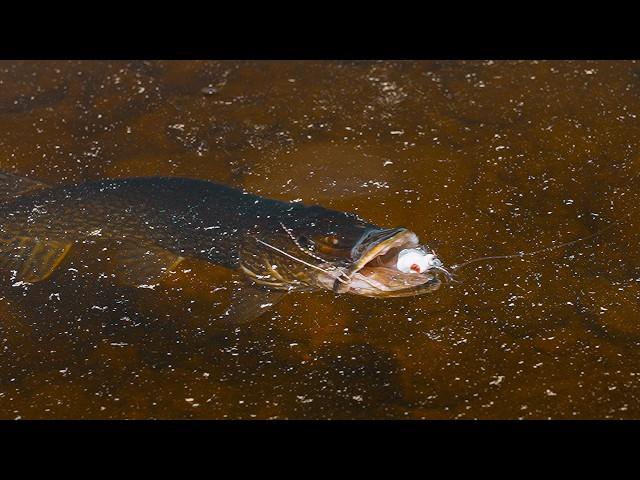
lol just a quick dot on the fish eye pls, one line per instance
(332, 240)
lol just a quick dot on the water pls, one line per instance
(478, 158)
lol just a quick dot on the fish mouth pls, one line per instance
(373, 272)
(377, 243)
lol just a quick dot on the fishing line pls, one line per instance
(302, 249)
(528, 254)
(552, 247)
(338, 278)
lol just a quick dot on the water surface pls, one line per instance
(478, 158)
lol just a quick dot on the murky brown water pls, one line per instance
(478, 158)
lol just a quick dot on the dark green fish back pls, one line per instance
(183, 216)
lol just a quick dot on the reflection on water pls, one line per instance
(478, 158)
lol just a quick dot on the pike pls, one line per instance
(277, 246)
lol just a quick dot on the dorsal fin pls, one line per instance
(12, 186)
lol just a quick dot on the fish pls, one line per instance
(277, 247)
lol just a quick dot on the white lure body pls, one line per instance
(415, 260)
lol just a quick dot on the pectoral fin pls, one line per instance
(30, 259)
(141, 265)
(249, 302)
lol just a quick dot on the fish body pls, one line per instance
(186, 216)
(161, 220)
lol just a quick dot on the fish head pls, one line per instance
(360, 258)
(302, 246)
(377, 269)
(338, 251)
(328, 234)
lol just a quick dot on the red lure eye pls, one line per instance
(415, 267)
